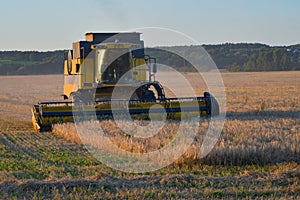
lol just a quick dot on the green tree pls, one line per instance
(276, 58)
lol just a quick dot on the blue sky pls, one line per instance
(55, 24)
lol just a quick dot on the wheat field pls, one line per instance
(256, 156)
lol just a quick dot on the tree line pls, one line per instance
(255, 57)
(31, 62)
(229, 57)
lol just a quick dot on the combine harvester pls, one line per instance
(94, 68)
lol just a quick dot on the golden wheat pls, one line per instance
(262, 127)
(262, 124)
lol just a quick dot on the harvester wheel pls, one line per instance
(214, 109)
(82, 97)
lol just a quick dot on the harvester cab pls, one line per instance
(106, 62)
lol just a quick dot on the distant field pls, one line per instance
(258, 154)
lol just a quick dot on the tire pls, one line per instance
(213, 105)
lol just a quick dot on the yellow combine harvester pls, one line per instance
(108, 62)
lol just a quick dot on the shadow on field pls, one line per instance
(261, 156)
(104, 184)
(263, 115)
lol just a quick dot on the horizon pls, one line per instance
(226, 43)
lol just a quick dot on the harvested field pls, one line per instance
(257, 155)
